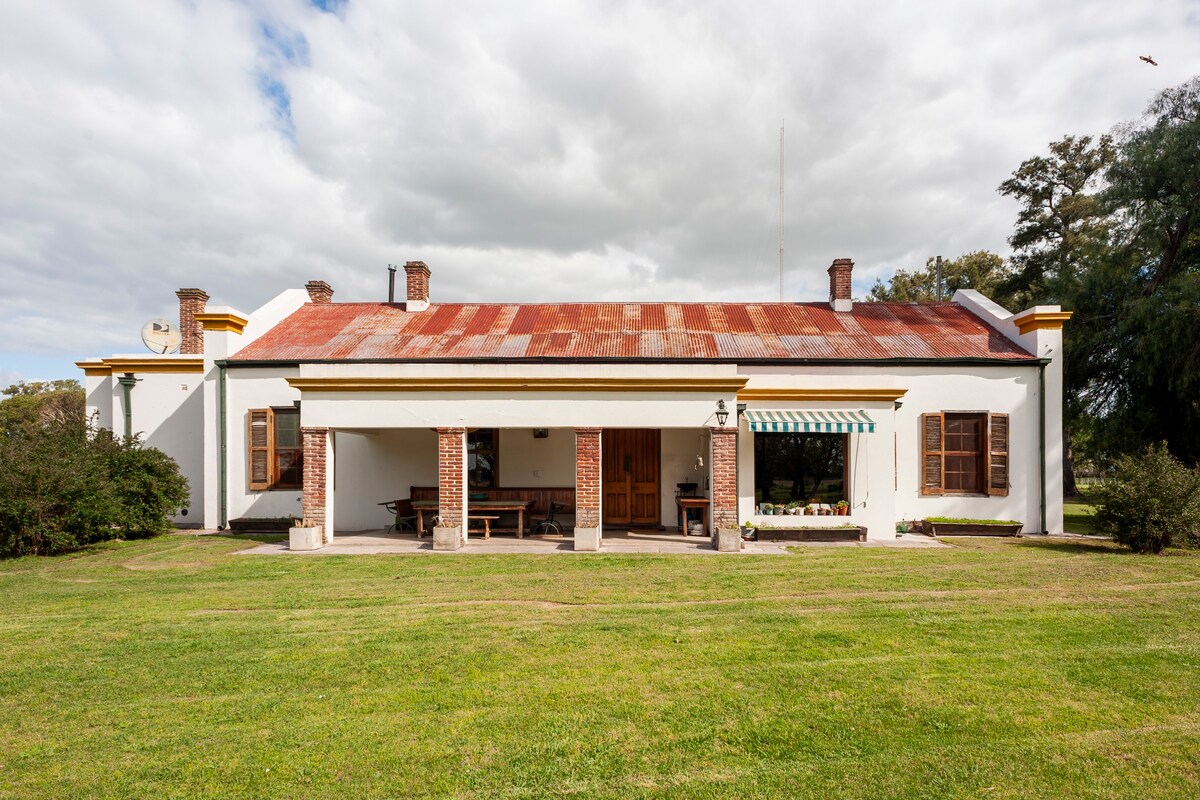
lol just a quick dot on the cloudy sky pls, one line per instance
(525, 151)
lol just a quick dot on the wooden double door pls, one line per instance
(630, 476)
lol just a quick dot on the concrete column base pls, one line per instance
(587, 539)
(727, 540)
(447, 538)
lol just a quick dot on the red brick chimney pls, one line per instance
(191, 303)
(319, 292)
(839, 284)
(418, 286)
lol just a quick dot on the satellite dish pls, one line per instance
(161, 336)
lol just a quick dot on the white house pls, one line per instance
(306, 407)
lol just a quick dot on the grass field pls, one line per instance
(1079, 516)
(994, 669)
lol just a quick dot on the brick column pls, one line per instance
(316, 485)
(451, 452)
(724, 480)
(587, 489)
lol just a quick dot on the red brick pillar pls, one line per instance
(451, 452)
(313, 497)
(724, 480)
(587, 477)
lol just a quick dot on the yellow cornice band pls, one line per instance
(826, 395)
(1042, 321)
(143, 365)
(689, 384)
(222, 322)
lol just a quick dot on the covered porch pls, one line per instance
(608, 453)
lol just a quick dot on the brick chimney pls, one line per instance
(418, 286)
(319, 292)
(191, 303)
(839, 284)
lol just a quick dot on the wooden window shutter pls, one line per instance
(931, 453)
(997, 473)
(258, 439)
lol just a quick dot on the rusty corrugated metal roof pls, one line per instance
(631, 331)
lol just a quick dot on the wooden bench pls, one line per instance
(487, 523)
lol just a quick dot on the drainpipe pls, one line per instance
(1042, 437)
(222, 469)
(737, 455)
(127, 382)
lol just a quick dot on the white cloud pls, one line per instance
(564, 152)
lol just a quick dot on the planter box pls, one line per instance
(727, 540)
(447, 538)
(972, 529)
(812, 534)
(260, 525)
(306, 538)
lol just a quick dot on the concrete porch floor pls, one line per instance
(634, 541)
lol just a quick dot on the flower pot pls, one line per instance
(306, 538)
(749, 534)
(808, 512)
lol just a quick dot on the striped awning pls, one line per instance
(792, 421)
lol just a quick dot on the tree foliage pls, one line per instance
(63, 487)
(979, 270)
(1152, 502)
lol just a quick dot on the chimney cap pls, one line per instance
(319, 291)
(416, 266)
(192, 293)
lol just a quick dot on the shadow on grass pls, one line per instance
(267, 538)
(1078, 546)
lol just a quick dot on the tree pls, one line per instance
(979, 270)
(1152, 502)
(1062, 223)
(30, 405)
(1134, 354)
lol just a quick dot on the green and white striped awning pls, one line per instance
(809, 421)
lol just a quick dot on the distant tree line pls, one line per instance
(1108, 227)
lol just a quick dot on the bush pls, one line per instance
(61, 489)
(1152, 502)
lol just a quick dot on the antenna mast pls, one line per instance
(781, 211)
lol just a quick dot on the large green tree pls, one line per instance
(31, 405)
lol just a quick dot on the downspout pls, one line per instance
(737, 455)
(1042, 439)
(127, 382)
(222, 469)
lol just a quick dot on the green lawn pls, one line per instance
(1079, 516)
(994, 669)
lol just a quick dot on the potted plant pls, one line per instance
(793, 508)
(843, 508)
(766, 508)
(749, 531)
(808, 511)
(901, 528)
(306, 535)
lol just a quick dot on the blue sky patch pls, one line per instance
(329, 6)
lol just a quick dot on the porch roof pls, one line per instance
(694, 332)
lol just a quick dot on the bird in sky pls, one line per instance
(1149, 60)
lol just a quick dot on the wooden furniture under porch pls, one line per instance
(518, 506)
(687, 504)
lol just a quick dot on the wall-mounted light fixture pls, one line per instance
(722, 413)
(541, 433)
(896, 405)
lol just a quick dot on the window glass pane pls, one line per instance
(287, 428)
(288, 468)
(799, 467)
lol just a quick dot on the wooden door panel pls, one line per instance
(631, 462)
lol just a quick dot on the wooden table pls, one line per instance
(688, 503)
(519, 506)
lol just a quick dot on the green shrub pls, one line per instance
(1151, 502)
(61, 489)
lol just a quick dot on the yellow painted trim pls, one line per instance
(222, 322)
(94, 368)
(1042, 321)
(718, 385)
(815, 395)
(144, 365)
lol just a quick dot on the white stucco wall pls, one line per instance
(378, 466)
(1011, 390)
(526, 461)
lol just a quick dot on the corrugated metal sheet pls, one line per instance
(676, 331)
